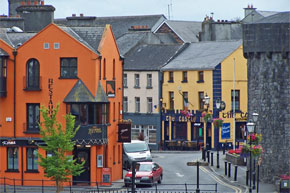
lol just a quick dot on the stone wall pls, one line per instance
(269, 93)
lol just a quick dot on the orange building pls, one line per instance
(80, 69)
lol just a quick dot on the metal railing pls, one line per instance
(8, 185)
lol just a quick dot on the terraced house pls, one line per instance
(80, 69)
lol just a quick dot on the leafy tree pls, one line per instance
(58, 143)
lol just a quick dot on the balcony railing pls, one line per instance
(94, 134)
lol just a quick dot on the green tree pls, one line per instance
(58, 166)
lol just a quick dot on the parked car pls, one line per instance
(135, 151)
(147, 173)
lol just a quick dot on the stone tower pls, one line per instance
(266, 45)
(13, 4)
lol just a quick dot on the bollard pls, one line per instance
(247, 177)
(203, 153)
(218, 160)
(254, 179)
(207, 156)
(236, 173)
(229, 173)
(224, 149)
(211, 158)
(226, 166)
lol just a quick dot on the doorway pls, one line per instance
(82, 154)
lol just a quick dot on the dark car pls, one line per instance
(147, 173)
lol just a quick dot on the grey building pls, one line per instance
(266, 46)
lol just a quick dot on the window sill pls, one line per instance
(32, 89)
(12, 171)
(125, 86)
(32, 132)
(31, 171)
(68, 78)
(184, 81)
(170, 81)
(200, 81)
(137, 87)
(149, 87)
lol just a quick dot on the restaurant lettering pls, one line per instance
(230, 114)
(8, 142)
(94, 130)
(50, 93)
(181, 118)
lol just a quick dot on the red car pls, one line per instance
(147, 173)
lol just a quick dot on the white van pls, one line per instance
(135, 151)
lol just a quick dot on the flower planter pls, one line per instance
(235, 159)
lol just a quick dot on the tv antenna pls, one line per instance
(170, 14)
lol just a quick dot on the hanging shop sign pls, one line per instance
(111, 90)
(124, 131)
(226, 131)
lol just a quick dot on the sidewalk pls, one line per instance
(241, 174)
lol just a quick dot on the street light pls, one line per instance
(206, 100)
(250, 127)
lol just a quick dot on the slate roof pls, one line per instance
(121, 24)
(129, 40)
(89, 36)
(15, 39)
(81, 94)
(282, 17)
(150, 57)
(188, 31)
(267, 13)
(3, 53)
(202, 55)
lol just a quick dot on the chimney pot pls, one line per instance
(42, 2)
(73, 15)
(35, 2)
(22, 2)
(28, 2)
(81, 14)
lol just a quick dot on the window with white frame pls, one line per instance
(148, 130)
(125, 104)
(125, 81)
(137, 104)
(137, 81)
(56, 45)
(149, 80)
(149, 105)
(46, 46)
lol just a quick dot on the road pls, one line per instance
(176, 173)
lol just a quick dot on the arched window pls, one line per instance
(32, 74)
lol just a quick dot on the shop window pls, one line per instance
(171, 100)
(68, 68)
(180, 131)
(149, 105)
(12, 158)
(137, 81)
(171, 78)
(152, 134)
(235, 96)
(137, 104)
(32, 74)
(125, 81)
(32, 159)
(200, 77)
(149, 81)
(184, 76)
(240, 131)
(200, 99)
(33, 117)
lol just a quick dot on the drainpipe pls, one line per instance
(14, 94)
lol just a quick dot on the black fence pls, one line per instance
(8, 185)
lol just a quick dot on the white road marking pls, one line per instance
(179, 175)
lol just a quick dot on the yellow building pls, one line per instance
(204, 69)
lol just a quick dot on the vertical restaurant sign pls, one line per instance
(50, 93)
(226, 131)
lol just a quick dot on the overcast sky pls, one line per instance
(191, 10)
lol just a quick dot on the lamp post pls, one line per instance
(250, 127)
(206, 101)
(255, 119)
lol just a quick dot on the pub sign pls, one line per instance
(124, 132)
